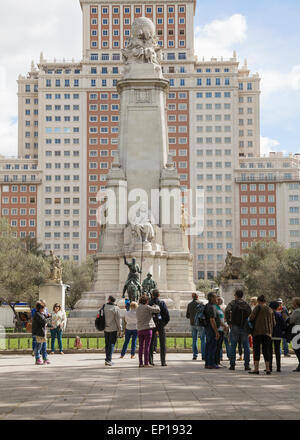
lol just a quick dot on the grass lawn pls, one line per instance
(94, 343)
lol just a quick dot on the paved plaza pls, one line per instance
(79, 387)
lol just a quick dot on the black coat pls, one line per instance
(161, 319)
(39, 323)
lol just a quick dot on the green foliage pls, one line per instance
(79, 277)
(205, 286)
(272, 270)
(21, 272)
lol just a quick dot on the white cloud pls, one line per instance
(220, 37)
(274, 81)
(27, 28)
(268, 145)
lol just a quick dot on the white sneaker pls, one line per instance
(108, 364)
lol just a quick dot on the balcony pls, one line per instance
(265, 178)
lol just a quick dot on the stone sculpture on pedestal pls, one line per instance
(142, 165)
(148, 284)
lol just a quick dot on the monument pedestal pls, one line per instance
(228, 289)
(51, 293)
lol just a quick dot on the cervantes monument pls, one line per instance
(139, 218)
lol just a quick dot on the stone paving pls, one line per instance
(79, 387)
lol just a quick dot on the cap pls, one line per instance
(279, 300)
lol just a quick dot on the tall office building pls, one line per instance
(69, 118)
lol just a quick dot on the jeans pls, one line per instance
(56, 332)
(276, 345)
(40, 348)
(219, 348)
(227, 346)
(210, 347)
(297, 353)
(285, 347)
(237, 333)
(128, 335)
(198, 332)
(110, 340)
(144, 345)
(162, 344)
(33, 343)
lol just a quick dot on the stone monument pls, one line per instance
(135, 227)
(53, 290)
(231, 277)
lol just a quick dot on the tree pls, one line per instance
(262, 270)
(79, 277)
(21, 272)
(32, 246)
(205, 286)
(289, 273)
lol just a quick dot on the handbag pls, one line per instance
(251, 324)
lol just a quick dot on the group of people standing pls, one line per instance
(144, 320)
(41, 321)
(256, 325)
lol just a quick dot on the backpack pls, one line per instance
(200, 319)
(240, 313)
(100, 320)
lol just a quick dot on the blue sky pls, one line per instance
(266, 32)
(271, 43)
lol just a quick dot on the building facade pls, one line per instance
(69, 125)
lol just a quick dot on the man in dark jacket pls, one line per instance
(197, 332)
(236, 315)
(161, 320)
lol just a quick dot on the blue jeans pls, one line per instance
(33, 343)
(128, 335)
(40, 348)
(56, 332)
(227, 346)
(210, 347)
(285, 347)
(110, 340)
(198, 332)
(236, 333)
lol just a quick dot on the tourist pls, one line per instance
(197, 331)
(263, 319)
(113, 327)
(160, 320)
(277, 334)
(285, 314)
(237, 313)
(59, 322)
(145, 324)
(39, 331)
(253, 303)
(221, 329)
(211, 331)
(220, 302)
(130, 330)
(294, 319)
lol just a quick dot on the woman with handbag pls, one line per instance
(263, 321)
(39, 331)
(59, 322)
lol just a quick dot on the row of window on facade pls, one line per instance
(65, 212)
(16, 211)
(285, 164)
(65, 200)
(259, 199)
(65, 223)
(127, 22)
(137, 10)
(16, 200)
(116, 44)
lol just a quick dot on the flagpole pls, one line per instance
(142, 257)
